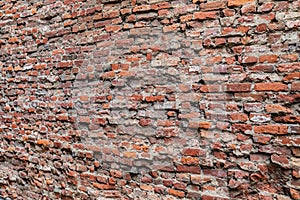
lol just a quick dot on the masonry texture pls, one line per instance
(150, 99)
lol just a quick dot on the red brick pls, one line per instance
(238, 2)
(146, 187)
(188, 169)
(101, 179)
(186, 18)
(296, 173)
(57, 51)
(210, 88)
(214, 5)
(280, 159)
(154, 98)
(268, 58)
(111, 14)
(65, 64)
(44, 142)
(241, 127)
(146, 179)
(287, 119)
(84, 98)
(116, 173)
(129, 154)
(258, 157)
(184, 9)
(289, 57)
(265, 7)
(227, 30)
(213, 60)
(295, 194)
(167, 183)
(159, 190)
(206, 15)
(220, 41)
(142, 8)
(190, 161)
(249, 59)
(228, 12)
(289, 67)
(275, 86)
(84, 119)
(103, 186)
(292, 76)
(295, 86)
(161, 5)
(99, 121)
(215, 172)
(248, 8)
(237, 87)
(180, 186)
(271, 129)
(271, 59)
(276, 108)
(193, 152)
(170, 28)
(108, 75)
(253, 107)
(262, 68)
(202, 125)
(176, 193)
(62, 117)
(213, 197)
(145, 122)
(113, 28)
(193, 195)
(239, 117)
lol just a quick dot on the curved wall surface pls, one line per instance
(150, 99)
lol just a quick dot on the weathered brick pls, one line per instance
(295, 86)
(292, 76)
(239, 2)
(146, 187)
(294, 193)
(189, 161)
(142, 8)
(289, 67)
(249, 59)
(240, 117)
(188, 169)
(103, 186)
(280, 159)
(202, 125)
(193, 152)
(214, 5)
(267, 58)
(237, 87)
(276, 108)
(271, 129)
(176, 193)
(275, 86)
(205, 15)
(215, 172)
(287, 119)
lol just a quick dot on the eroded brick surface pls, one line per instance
(149, 99)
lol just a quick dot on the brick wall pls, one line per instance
(150, 99)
